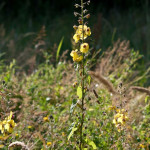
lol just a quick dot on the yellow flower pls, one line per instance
(117, 116)
(79, 30)
(112, 108)
(141, 145)
(83, 31)
(9, 126)
(46, 119)
(114, 121)
(75, 27)
(63, 134)
(84, 47)
(118, 110)
(75, 56)
(29, 127)
(75, 84)
(121, 119)
(4, 137)
(49, 143)
(88, 31)
(119, 129)
(76, 38)
(1, 127)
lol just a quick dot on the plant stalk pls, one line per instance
(82, 117)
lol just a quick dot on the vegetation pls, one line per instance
(98, 100)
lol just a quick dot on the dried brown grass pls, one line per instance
(21, 145)
(113, 58)
(113, 61)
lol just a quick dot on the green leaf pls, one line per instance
(91, 143)
(59, 48)
(72, 132)
(79, 92)
(89, 79)
(147, 98)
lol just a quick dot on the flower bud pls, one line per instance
(87, 16)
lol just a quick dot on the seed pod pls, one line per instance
(98, 102)
(84, 11)
(51, 117)
(89, 98)
(80, 21)
(75, 14)
(96, 95)
(77, 5)
(75, 27)
(120, 85)
(3, 82)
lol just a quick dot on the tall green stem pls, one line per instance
(82, 117)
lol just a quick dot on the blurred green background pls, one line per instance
(21, 22)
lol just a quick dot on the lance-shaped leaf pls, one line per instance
(72, 132)
(79, 92)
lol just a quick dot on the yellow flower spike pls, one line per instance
(49, 143)
(7, 125)
(120, 119)
(76, 38)
(84, 47)
(46, 119)
(75, 56)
